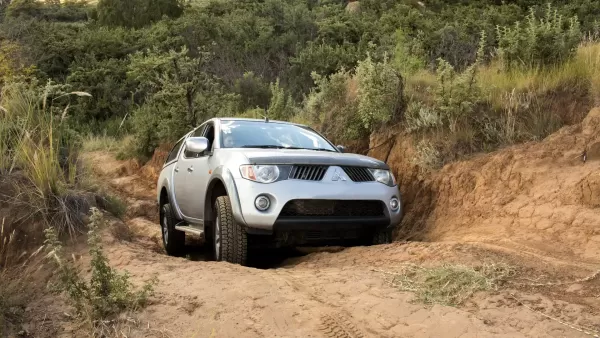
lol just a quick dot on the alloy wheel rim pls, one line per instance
(165, 231)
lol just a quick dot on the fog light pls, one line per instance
(262, 203)
(394, 204)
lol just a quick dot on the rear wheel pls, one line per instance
(230, 241)
(173, 240)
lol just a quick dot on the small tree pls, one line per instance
(380, 92)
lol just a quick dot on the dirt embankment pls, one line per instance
(540, 197)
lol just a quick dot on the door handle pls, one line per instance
(190, 169)
(176, 170)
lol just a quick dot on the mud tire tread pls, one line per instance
(176, 244)
(382, 237)
(234, 240)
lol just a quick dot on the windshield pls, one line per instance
(258, 134)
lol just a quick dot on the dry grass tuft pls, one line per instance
(448, 284)
(16, 279)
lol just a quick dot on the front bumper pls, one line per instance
(282, 192)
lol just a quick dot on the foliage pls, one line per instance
(107, 293)
(136, 13)
(282, 105)
(178, 95)
(331, 106)
(159, 68)
(66, 11)
(380, 92)
(539, 41)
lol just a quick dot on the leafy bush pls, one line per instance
(108, 292)
(539, 41)
(380, 92)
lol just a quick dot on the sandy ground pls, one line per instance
(331, 292)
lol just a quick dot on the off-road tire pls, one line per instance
(173, 240)
(233, 246)
(382, 237)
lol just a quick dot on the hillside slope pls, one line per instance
(542, 197)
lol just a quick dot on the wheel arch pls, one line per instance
(215, 189)
(222, 184)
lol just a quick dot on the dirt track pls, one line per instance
(335, 293)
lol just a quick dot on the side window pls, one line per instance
(209, 133)
(199, 131)
(174, 151)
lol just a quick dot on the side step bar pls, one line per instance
(189, 229)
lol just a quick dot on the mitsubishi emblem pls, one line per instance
(337, 176)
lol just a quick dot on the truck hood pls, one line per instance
(293, 156)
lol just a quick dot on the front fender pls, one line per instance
(226, 177)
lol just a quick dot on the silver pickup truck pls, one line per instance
(244, 182)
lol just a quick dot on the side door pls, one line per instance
(172, 171)
(181, 177)
(199, 168)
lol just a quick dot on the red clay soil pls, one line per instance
(540, 197)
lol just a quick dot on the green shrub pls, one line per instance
(282, 105)
(331, 107)
(549, 40)
(107, 293)
(380, 93)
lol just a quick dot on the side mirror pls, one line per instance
(196, 145)
(341, 148)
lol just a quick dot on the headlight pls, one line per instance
(383, 176)
(260, 173)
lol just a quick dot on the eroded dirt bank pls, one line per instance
(347, 293)
(542, 198)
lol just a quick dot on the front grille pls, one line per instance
(332, 208)
(358, 174)
(308, 172)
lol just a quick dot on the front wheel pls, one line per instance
(382, 237)
(230, 241)
(173, 240)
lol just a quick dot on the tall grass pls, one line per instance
(37, 147)
(505, 106)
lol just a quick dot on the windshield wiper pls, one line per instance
(272, 146)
